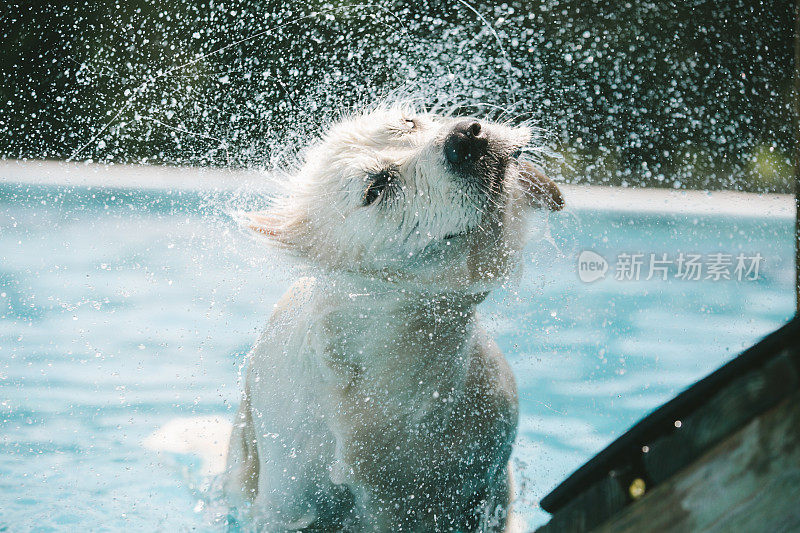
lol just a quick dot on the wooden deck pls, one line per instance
(724, 455)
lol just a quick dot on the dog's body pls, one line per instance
(374, 401)
(407, 415)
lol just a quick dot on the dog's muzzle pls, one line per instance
(466, 143)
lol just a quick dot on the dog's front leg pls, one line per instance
(241, 481)
(490, 512)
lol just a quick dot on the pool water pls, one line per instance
(121, 310)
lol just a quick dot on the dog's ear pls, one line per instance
(279, 227)
(263, 222)
(539, 188)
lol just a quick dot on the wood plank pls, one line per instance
(749, 482)
(679, 435)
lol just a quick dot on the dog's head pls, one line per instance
(404, 195)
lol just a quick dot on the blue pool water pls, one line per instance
(121, 310)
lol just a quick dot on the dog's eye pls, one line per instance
(378, 184)
(410, 123)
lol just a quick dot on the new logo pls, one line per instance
(591, 266)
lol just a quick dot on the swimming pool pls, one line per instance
(121, 309)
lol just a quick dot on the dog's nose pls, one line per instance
(466, 141)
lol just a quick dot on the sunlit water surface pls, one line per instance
(120, 311)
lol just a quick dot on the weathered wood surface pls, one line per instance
(742, 421)
(749, 482)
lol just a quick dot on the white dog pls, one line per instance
(374, 401)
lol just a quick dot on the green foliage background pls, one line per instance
(676, 94)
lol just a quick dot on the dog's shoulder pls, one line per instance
(287, 322)
(492, 386)
(294, 300)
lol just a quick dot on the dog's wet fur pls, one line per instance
(373, 400)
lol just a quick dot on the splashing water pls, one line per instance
(658, 94)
